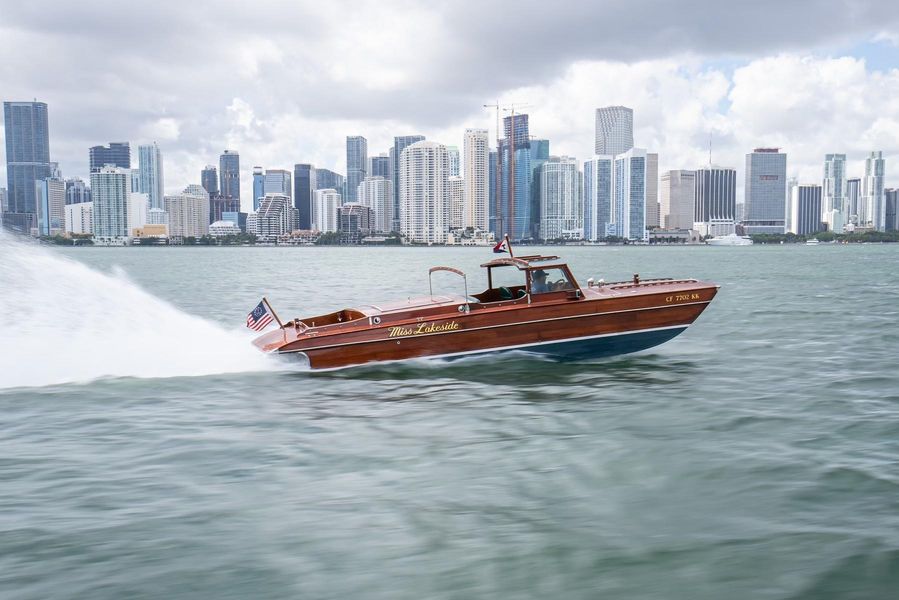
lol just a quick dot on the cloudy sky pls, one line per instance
(285, 82)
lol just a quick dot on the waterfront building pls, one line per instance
(138, 211)
(805, 205)
(715, 201)
(377, 194)
(77, 191)
(424, 193)
(151, 174)
(833, 198)
(493, 208)
(653, 218)
(324, 212)
(598, 175)
(188, 213)
(539, 155)
(252, 227)
(356, 164)
(890, 212)
(277, 181)
(220, 205)
(614, 130)
(229, 174)
(220, 229)
(50, 195)
(792, 182)
(475, 160)
(455, 187)
(157, 216)
(765, 204)
(27, 158)
(117, 154)
(561, 204)
(516, 215)
(78, 218)
(303, 186)
(400, 143)
(110, 189)
(236, 217)
(677, 194)
(327, 179)
(209, 179)
(354, 222)
(872, 193)
(379, 166)
(628, 214)
(854, 200)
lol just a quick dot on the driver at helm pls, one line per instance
(538, 282)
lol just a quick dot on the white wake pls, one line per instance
(61, 322)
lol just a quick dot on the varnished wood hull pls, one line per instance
(596, 324)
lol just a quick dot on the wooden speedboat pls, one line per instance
(540, 308)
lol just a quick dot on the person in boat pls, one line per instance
(538, 282)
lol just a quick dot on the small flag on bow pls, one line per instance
(502, 246)
(259, 318)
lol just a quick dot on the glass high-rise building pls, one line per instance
(229, 174)
(561, 204)
(614, 130)
(399, 144)
(304, 179)
(597, 197)
(516, 218)
(853, 199)
(380, 166)
(117, 154)
(209, 179)
(27, 153)
(258, 186)
(277, 181)
(805, 207)
(356, 164)
(765, 203)
(715, 202)
(77, 191)
(833, 196)
(151, 175)
(326, 179)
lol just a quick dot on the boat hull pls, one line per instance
(589, 327)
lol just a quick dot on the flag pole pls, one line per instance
(274, 314)
(509, 244)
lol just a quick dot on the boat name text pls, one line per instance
(422, 328)
(682, 297)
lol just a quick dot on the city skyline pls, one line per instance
(753, 84)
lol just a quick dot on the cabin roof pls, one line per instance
(522, 262)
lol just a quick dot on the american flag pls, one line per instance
(259, 318)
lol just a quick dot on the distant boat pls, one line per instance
(812, 242)
(729, 240)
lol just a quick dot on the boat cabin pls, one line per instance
(528, 279)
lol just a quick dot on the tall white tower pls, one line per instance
(476, 151)
(872, 192)
(614, 130)
(424, 193)
(834, 192)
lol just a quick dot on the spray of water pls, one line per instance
(61, 322)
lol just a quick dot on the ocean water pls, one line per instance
(147, 451)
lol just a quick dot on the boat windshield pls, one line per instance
(506, 283)
(552, 279)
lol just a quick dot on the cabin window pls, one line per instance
(549, 280)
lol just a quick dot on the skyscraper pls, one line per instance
(891, 209)
(629, 196)
(303, 186)
(110, 189)
(151, 175)
(399, 144)
(834, 193)
(854, 200)
(872, 192)
(77, 191)
(117, 154)
(614, 130)
(209, 179)
(188, 212)
(678, 192)
(715, 203)
(258, 186)
(356, 164)
(476, 156)
(455, 161)
(598, 172)
(539, 155)
(326, 202)
(424, 193)
(380, 166)
(277, 181)
(805, 206)
(455, 187)
(515, 218)
(27, 153)
(561, 205)
(328, 179)
(377, 194)
(229, 174)
(652, 190)
(50, 195)
(765, 204)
